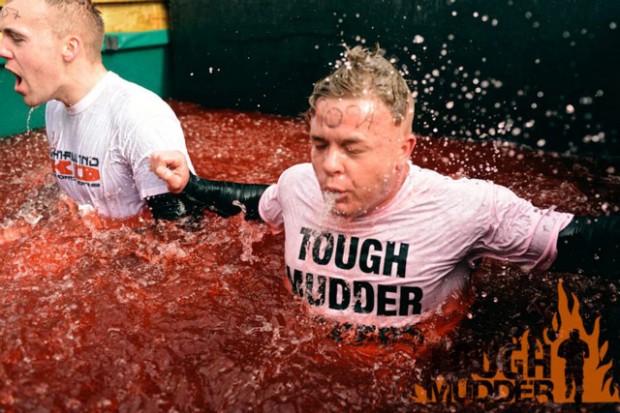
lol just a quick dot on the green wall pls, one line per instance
(142, 57)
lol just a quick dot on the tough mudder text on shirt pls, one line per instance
(401, 263)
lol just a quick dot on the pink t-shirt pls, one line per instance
(400, 263)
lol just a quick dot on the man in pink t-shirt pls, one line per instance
(371, 240)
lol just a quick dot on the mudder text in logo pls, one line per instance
(570, 368)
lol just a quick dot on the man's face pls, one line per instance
(359, 155)
(32, 51)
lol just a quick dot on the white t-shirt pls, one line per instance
(400, 263)
(100, 147)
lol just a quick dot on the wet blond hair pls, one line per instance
(364, 73)
(82, 17)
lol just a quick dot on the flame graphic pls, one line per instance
(597, 381)
(596, 386)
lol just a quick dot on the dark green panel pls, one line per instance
(538, 72)
(146, 67)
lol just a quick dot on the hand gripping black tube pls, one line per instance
(220, 196)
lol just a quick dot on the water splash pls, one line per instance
(29, 118)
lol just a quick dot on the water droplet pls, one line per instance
(417, 39)
(598, 138)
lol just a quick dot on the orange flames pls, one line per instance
(596, 387)
(535, 382)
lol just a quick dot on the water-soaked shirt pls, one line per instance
(400, 263)
(100, 148)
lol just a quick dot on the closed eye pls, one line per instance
(14, 35)
(354, 150)
(318, 143)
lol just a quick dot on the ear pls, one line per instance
(407, 145)
(71, 48)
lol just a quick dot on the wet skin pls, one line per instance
(359, 153)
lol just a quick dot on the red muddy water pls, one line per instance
(178, 317)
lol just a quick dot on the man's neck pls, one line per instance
(80, 82)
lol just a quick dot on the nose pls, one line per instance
(333, 161)
(5, 53)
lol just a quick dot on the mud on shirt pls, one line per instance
(400, 263)
(100, 147)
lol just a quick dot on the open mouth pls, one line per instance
(334, 189)
(332, 197)
(18, 80)
(333, 194)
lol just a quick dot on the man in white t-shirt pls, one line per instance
(375, 243)
(101, 128)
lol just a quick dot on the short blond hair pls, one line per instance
(83, 17)
(365, 73)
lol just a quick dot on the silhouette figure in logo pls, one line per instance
(574, 351)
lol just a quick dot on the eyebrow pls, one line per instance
(344, 141)
(8, 31)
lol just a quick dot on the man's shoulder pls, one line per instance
(427, 179)
(297, 171)
(133, 97)
(298, 180)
